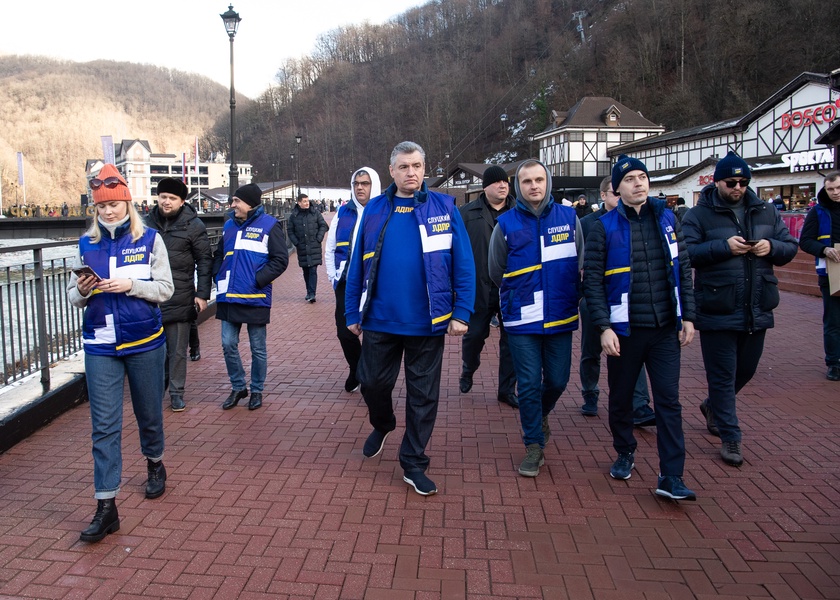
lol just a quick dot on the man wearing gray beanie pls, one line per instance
(251, 254)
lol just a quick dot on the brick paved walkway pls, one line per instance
(279, 503)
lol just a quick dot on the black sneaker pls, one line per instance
(465, 383)
(673, 487)
(833, 373)
(710, 418)
(590, 407)
(195, 355)
(177, 403)
(421, 484)
(351, 384)
(509, 399)
(374, 443)
(623, 466)
(534, 459)
(730, 452)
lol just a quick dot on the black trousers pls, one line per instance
(351, 346)
(378, 371)
(730, 359)
(473, 343)
(310, 278)
(659, 350)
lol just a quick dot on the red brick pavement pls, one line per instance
(279, 503)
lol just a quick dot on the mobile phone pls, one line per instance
(86, 270)
(751, 242)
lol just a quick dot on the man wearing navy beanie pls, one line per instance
(734, 240)
(637, 283)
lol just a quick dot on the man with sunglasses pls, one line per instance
(734, 240)
(590, 337)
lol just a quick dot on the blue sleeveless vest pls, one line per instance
(618, 269)
(246, 252)
(434, 218)
(345, 224)
(119, 324)
(824, 236)
(541, 285)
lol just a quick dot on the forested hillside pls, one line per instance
(442, 74)
(55, 112)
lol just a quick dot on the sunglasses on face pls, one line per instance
(109, 182)
(732, 184)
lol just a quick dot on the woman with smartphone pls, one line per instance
(123, 336)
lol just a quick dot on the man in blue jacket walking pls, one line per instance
(411, 281)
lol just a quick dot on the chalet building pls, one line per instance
(143, 169)
(786, 140)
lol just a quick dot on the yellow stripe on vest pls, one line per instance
(229, 254)
(140, 342)
(823, 237)
(342, 244)
(616, 271)
(439, 319)
(245, 295)
(522, 271)
(368, 255)
(561, 322)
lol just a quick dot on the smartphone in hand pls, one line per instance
(751, 242)
(86, 270)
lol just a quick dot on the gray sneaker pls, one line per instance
(534, 459)
(730, 452)
(546, 429)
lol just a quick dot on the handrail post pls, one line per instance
(41, 316)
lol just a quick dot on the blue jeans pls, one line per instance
(542, 364)
(378, 371)
(233, 362)
(105, 382)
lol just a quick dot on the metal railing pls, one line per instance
(38, 326)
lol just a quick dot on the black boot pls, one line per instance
(156, 484)
(105, 521)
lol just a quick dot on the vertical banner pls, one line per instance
(21, 182)
(184, 167)
(108, 150)
(196, 155)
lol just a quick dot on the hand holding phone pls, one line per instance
(86, 270)
(751, 242)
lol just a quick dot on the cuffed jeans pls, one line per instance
(473, 343)
(310, 278)
(659, 350)
(542, 364)
(378, 371)
(105, 382)
(177, 338)
(590, 365)
(233, 362)
(831, 324)
(730, 359)
(351, 346)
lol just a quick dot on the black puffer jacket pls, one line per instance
(651, 302)
(189, 252)
(735, 293)
(479, 222)
(307, 229)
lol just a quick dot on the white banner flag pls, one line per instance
(108, 150)
(20, 169)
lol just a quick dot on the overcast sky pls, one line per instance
(187, 35)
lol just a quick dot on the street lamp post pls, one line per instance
(231, 20)
(294, 178)
(504, 119)
(297, 164)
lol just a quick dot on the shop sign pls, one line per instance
(811, 116)
(705, 180)
(810, 160)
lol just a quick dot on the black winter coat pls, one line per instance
(307, 229)
(189, 252)
(658, 300)
(735, 293)
(479, 222)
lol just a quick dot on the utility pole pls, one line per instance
(579, 14)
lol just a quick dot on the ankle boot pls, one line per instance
(105, 521)
(156, 484)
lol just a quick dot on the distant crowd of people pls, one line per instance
(409, 267)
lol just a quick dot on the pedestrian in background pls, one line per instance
(307, 229)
